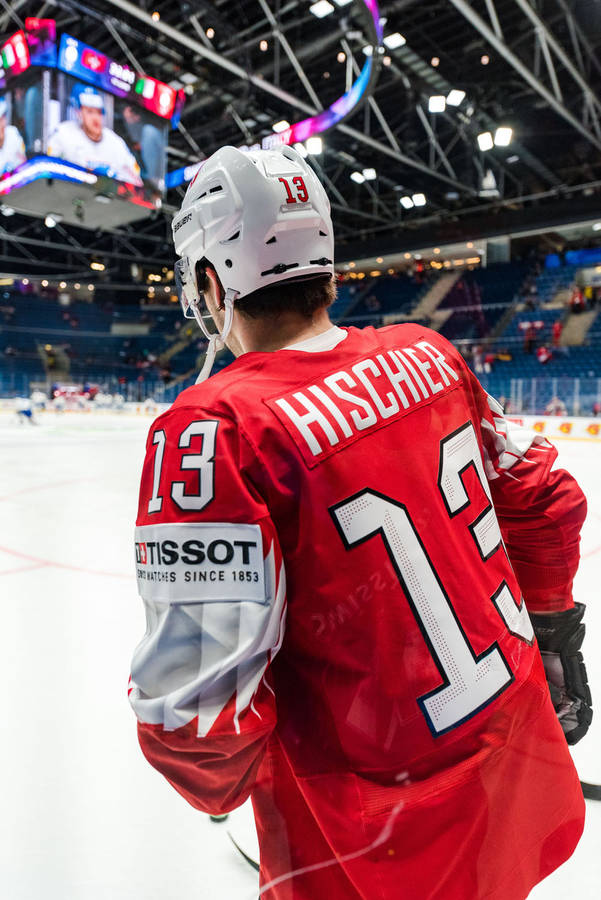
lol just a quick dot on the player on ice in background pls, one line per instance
(12, 146)
(24, 410)
(339, 539)
(89, 143)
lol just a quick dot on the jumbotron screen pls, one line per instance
(71, 113)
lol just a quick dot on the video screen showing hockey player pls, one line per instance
(107, 135)
(12, 145)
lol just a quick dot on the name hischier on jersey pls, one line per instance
(326, 415)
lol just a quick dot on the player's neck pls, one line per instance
(267, 335)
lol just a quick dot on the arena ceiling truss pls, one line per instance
(527, 65)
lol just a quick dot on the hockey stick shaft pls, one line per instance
(591, 791)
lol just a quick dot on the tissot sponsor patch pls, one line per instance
(203, 562)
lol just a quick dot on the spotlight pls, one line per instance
(394, 41)
(435, 62)
(419, 199)
(280, 126)
(321, 9)
(437, 103)
(210, 32)
(314, 145)
(407, 202)
(52, 220)
(484, 59)
(341, 56)
(263, 45)
(455, 97)
(357, 177)
(485, 141)
(503, 136)
(369, 174)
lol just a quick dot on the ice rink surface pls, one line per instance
(84, 817)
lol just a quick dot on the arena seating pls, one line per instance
(83, 333)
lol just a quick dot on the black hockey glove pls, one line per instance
(560, 637)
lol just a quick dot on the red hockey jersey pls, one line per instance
(336, 551)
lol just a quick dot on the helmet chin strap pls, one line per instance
(218, 339)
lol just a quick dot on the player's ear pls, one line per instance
(202, 280)
(213, 279)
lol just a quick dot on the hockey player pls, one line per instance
(12, 147)
(339, 540)
(87, 142)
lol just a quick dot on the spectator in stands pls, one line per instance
(477, 359)
(555, 407)
(577, 301)
(596, 408)
(544, 354)
(529, 338)
(556, 330)
(372, 303)
(532, 295)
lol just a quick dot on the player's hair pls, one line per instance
(304, 297)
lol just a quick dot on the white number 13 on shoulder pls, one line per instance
(203, 463)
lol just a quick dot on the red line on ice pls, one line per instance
(23, 569)
(58, 565)
(42, 487)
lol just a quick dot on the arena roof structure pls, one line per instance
(484, 120)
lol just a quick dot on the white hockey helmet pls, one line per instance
(259, 217)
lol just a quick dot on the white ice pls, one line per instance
(84, 817)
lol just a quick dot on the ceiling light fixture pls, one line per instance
(455, 97)
(321, 9)
(357, 177)
(394, 41)
(437, 103)
(406, 202)
(314, 145)
(419, 199)
(369, 174)
(503, 136)
(485, 141)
